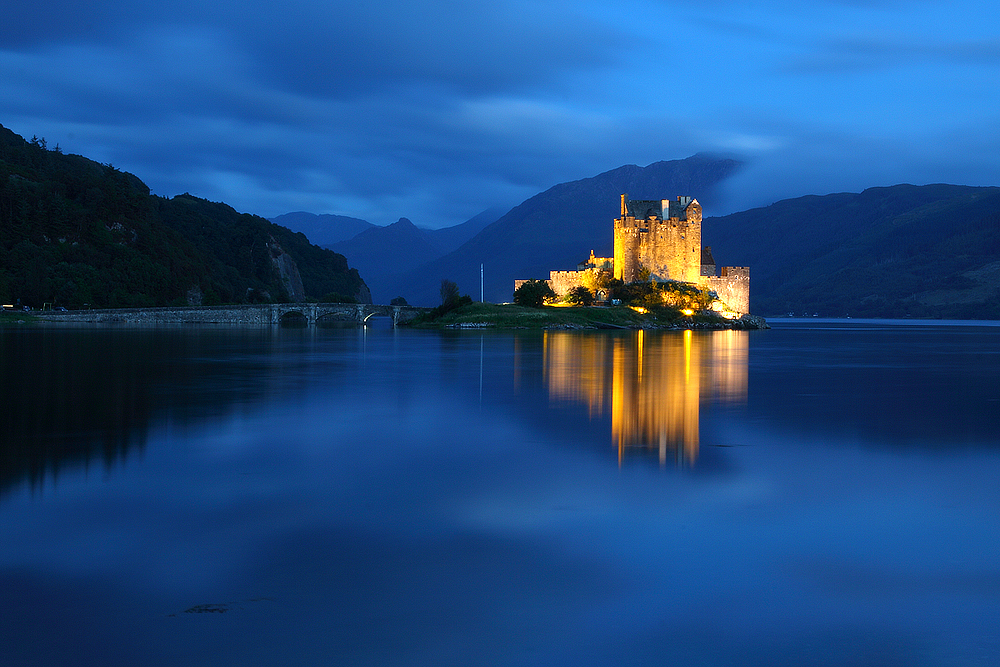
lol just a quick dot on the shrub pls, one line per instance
(670, 294)
(533, 293)
(580, 296)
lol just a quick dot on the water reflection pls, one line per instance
(73, 398)
(653, 384)
(68, 404)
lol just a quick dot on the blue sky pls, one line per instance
(436, 111)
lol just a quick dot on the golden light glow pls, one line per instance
(638, 309)
(653, 383)
(687, 311)
(722, 309)
(575, 369)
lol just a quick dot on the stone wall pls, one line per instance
(732, 286)
(246, 315)
(671, 250)
(562, 282)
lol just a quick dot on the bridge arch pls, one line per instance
(335, 318)
(293, 317)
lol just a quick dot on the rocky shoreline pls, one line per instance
(744, 323)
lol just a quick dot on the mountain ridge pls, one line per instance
(322, 229)
(890, 251)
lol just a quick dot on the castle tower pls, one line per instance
(662, 236)
(627, 231)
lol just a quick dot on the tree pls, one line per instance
(450, 299)
(580, 296)
(398, 301)
(449, 292)
(533, 293)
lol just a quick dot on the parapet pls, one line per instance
(735, 272)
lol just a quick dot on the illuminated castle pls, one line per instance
(660, 240)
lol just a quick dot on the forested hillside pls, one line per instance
(77, 233)
(901, 251)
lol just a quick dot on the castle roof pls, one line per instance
(663, 209)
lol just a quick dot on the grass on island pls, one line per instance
(15, 317)
(510, 316)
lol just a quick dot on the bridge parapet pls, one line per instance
(251, 314)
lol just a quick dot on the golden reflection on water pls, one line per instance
(653, 383)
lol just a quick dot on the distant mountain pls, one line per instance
(558, 228)
(918, 251)
(323, 230)
(450, 238)
(74, 232)
(382, 253)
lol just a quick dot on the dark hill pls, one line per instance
(74, 232)
(905, 250)
(558, 228)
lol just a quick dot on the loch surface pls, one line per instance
(822, 493)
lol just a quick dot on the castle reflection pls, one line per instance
(653, 383)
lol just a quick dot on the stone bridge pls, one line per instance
(255, 314)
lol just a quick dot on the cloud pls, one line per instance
(434, 113)
(861, 53)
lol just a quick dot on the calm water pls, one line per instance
(824, 493)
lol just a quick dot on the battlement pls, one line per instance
(735, 272)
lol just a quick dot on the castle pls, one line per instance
(660, 240)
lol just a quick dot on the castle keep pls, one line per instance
(660, 240)
(661, 236)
